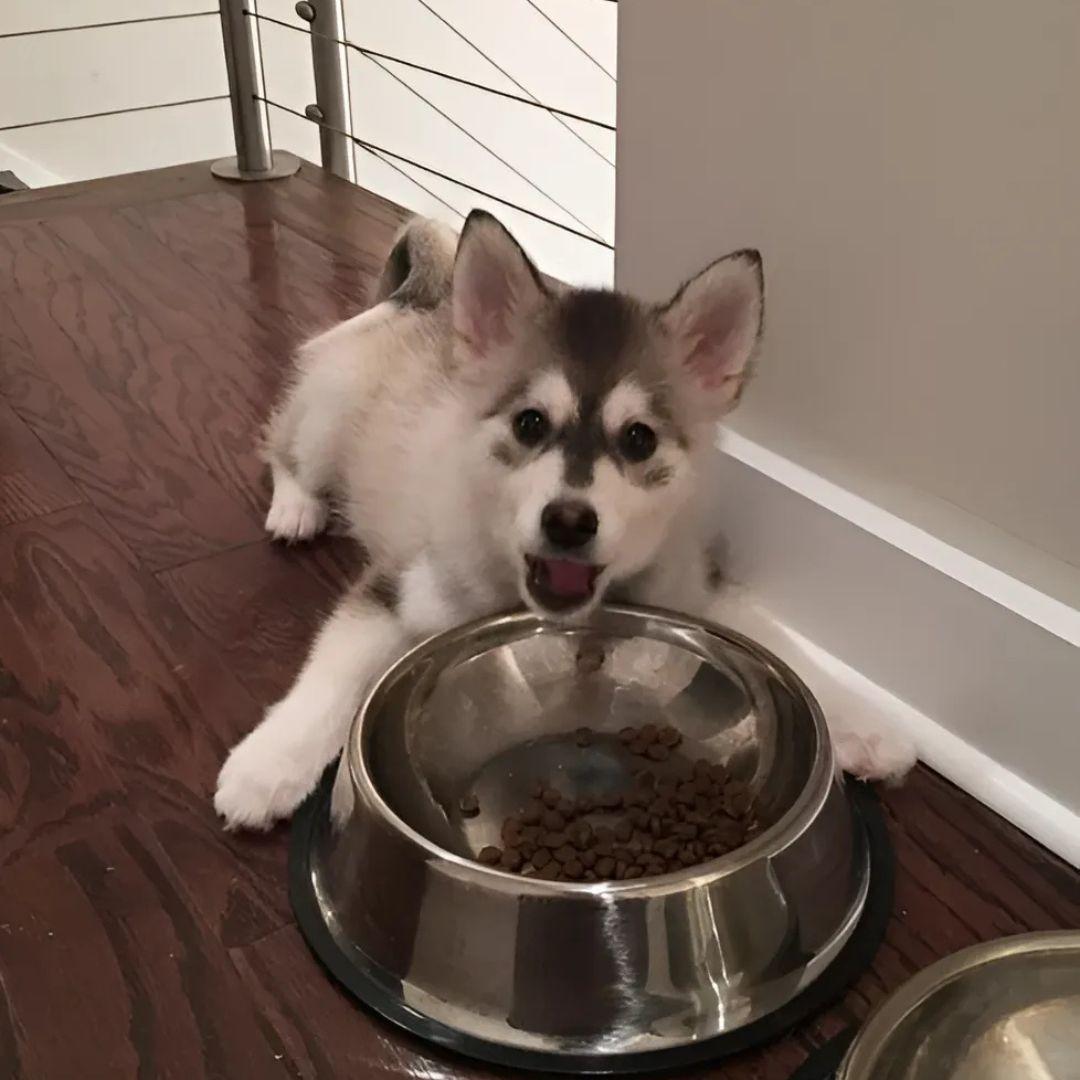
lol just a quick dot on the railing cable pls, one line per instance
(506, 75)
(412, 180)
(483, 146)
(114, 112)
(382, 153)
(580, 48)
(99, 25)
(374, 53)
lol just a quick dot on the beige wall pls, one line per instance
(911, 171)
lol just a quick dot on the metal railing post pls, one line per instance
(333, 105)
(255, 158)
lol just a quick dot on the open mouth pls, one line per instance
(560, 584)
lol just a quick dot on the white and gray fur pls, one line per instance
(403, 416)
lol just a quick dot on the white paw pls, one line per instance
(262, 781)
(294, 514)
(874, 755)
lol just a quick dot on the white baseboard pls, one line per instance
(1045, 819)
(29, 172)
(1010, 592)
(979, 669)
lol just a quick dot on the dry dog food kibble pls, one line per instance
(678, 814)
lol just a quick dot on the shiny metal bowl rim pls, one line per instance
(874, 1035)
(799, 816)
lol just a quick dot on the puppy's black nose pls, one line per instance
(569, 525)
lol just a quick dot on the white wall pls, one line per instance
(912, 172)
(71, 73)
(565, 175)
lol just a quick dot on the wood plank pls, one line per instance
(155, 691)
(31, 482)
(75, 370)
(324, 208)
(148, 691)
(53, 772)
(208, 398)
(129, 189)
(237, 881)
(996, 865)
(260, 605)
(109, 972)
(323, 1032)
(30, 258)
(155, 285)
(278, 279)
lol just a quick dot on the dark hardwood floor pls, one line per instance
(144, 621)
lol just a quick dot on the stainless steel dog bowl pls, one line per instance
(1005, 1010)
(581, 973)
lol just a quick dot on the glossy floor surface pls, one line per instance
(144, 621)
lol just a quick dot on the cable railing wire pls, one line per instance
(553, 109)
(473, 138)
(577, 45)
(112, 22)
(381, 151)
(483, 146)
(375, 54)
(114, 112)
(506, 74)
(412, 180)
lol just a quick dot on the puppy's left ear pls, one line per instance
(714, 323)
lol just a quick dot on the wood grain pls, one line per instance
(321, 1028)
(145, 324)
(151, 701)
(31, 482)
(53, 770)
(78, 376)
(30, 257)
(142, 274)
(156, 694)
(260, 605)
(273, 287)
(109, 972)
(324, 208)
(174, 182)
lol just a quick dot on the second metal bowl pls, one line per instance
(1003, 1010)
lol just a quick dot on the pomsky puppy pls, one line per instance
(493, 437)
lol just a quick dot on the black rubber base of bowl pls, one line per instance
(850, 963)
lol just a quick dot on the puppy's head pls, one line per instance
(592, 408)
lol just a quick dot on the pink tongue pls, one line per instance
(567, 578)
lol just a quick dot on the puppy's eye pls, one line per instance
(530, 427)
(637, 442)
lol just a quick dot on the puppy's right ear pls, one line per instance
(496, 288)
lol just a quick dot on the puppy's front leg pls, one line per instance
(271, 771)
